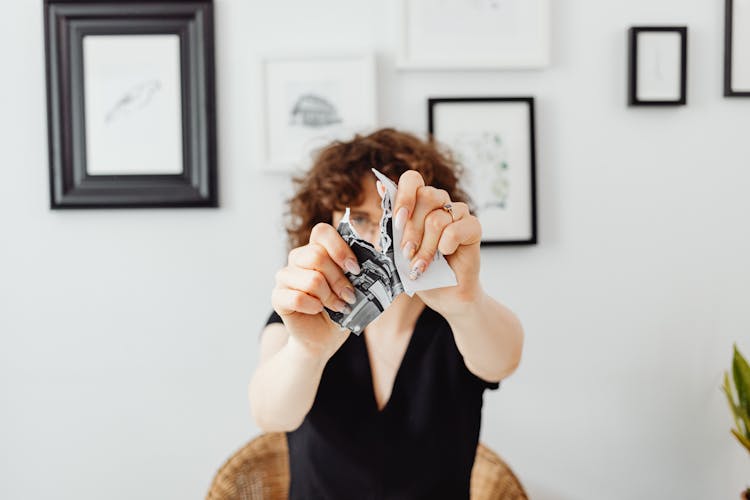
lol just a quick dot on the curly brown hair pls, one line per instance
(334, 181)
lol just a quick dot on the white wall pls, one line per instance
(127, 337)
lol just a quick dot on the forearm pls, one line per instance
(489, 336)
(283, 389)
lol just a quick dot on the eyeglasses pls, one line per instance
(363, 224)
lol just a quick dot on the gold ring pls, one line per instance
(448, 207)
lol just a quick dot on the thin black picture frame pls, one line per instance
(433, 102)
(728, 52)
(66, 23)
(633, 32)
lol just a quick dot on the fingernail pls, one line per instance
(408, 250)
(401, 218)
(417, 270)
(342, 307)
(348, 295)
(352, 266)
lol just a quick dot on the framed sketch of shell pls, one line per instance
(474, 34)
(311, 101)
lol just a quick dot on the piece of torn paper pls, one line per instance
(385, 271)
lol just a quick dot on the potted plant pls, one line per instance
(740, 405)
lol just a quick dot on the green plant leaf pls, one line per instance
(727, 389)
(742, 439)
(741, 372)
(742, 418)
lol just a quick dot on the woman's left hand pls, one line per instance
(429, 227)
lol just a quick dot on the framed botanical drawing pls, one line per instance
(737, 48)
(657, 62)
(474, 34)
(130, 104)
(311, 101)
(493, 139)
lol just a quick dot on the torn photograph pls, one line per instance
(377, 284)
(381, 278)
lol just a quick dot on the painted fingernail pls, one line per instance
(401, 218)
(408, 250)
(417, 270)
(348, 295)
(352, 266)
(342, 307)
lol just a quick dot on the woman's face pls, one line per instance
(365, 218)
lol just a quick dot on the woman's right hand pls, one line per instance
(312, 279)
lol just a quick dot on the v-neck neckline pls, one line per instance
(407, 353)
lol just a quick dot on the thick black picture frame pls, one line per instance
(728, 48)
(434, 101)
(633, 33)
(66, 22)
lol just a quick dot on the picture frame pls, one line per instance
(130, 104)
(493, 138)
(312, 100)
(504, 34)
(657, 66)
(737, 48)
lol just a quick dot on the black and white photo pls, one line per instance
(384, 271)
(378, 283)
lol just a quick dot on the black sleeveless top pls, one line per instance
(420, 445)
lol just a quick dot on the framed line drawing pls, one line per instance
(493, 139)
(130, 104)
(657, 66)
(474, 34)
(311, 101)
(737, 48)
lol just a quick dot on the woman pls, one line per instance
(394, 412)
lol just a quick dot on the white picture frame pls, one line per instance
(473, 34)
(311, 101)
